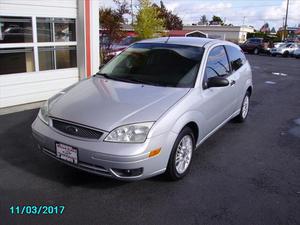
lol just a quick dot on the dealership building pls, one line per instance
(45, 46)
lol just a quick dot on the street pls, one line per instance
(244, 174)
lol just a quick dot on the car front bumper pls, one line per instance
(108, 159)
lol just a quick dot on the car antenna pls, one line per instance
(167, 39)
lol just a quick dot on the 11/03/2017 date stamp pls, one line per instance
(37, 210)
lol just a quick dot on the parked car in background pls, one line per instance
(278, 44)
(147, 110)
(297, 53)
(285, 50)
(117, 48)
(256, 46)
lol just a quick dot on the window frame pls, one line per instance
(231, 69)
(204, 80)
(35, 44)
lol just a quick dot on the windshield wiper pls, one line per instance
(103, 75)
(116, 78)
(130, 79)
(109, 77)
(140, 81)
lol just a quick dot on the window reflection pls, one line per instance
(65, 30)
(15, 29)
(56, 29)
(66, 57)
(46, 58)
(57, 57)
(16, 60)
(44, 30)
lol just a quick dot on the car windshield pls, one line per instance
(157, 64)
(286, 45)
(253, 41)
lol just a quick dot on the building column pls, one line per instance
(87, 37)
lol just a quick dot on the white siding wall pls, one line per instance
(24, 88)
(44, 8)
(21, 88)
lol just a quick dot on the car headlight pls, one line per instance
(43, 113)
(132, 133)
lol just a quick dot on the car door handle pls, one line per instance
(232, 82)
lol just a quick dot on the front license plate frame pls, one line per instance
(66, 152)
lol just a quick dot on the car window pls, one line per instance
(236, 58)
(158, 64)
(217, 64)
(254, 41)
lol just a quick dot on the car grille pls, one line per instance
(76, 130)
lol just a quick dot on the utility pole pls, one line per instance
(131, 13)
(286, 16)
(282, 31)
(244, 17)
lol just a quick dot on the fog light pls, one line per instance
(154, 152)
(128, 172)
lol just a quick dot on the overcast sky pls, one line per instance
(252, 12)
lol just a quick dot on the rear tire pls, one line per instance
(181, 155)
(285, 54)
(244, 109)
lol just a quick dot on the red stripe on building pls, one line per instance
(87, 5)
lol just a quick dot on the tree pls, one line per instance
(148, 23)
(216, 20)
(203, 20)
(265, 28)
(111, 22)
(273, 31)
(171, 21)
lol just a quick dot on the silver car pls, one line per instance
(296, 53)
(147, 110)
(285, 49)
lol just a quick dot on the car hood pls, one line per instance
(106, 104)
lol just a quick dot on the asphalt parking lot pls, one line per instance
(244, 174)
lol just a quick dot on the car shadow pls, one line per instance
(18, 149)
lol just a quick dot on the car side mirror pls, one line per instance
(217, 82)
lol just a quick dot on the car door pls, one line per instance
(293, 48)
(239, 73)
(218, 102)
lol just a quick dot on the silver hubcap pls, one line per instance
(184, 154)
(245, 107)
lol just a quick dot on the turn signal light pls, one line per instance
(154, 152)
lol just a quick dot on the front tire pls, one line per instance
(244, 109)
(181, 155)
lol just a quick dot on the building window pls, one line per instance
(16, 60)
(53, 47)
(56, 30)
(44, 30)
(15, 29)
(58, 57)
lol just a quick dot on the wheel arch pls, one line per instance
(192, 120)
(249, 90)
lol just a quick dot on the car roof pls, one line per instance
(192, 41)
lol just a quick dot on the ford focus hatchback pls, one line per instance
(148, 109)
